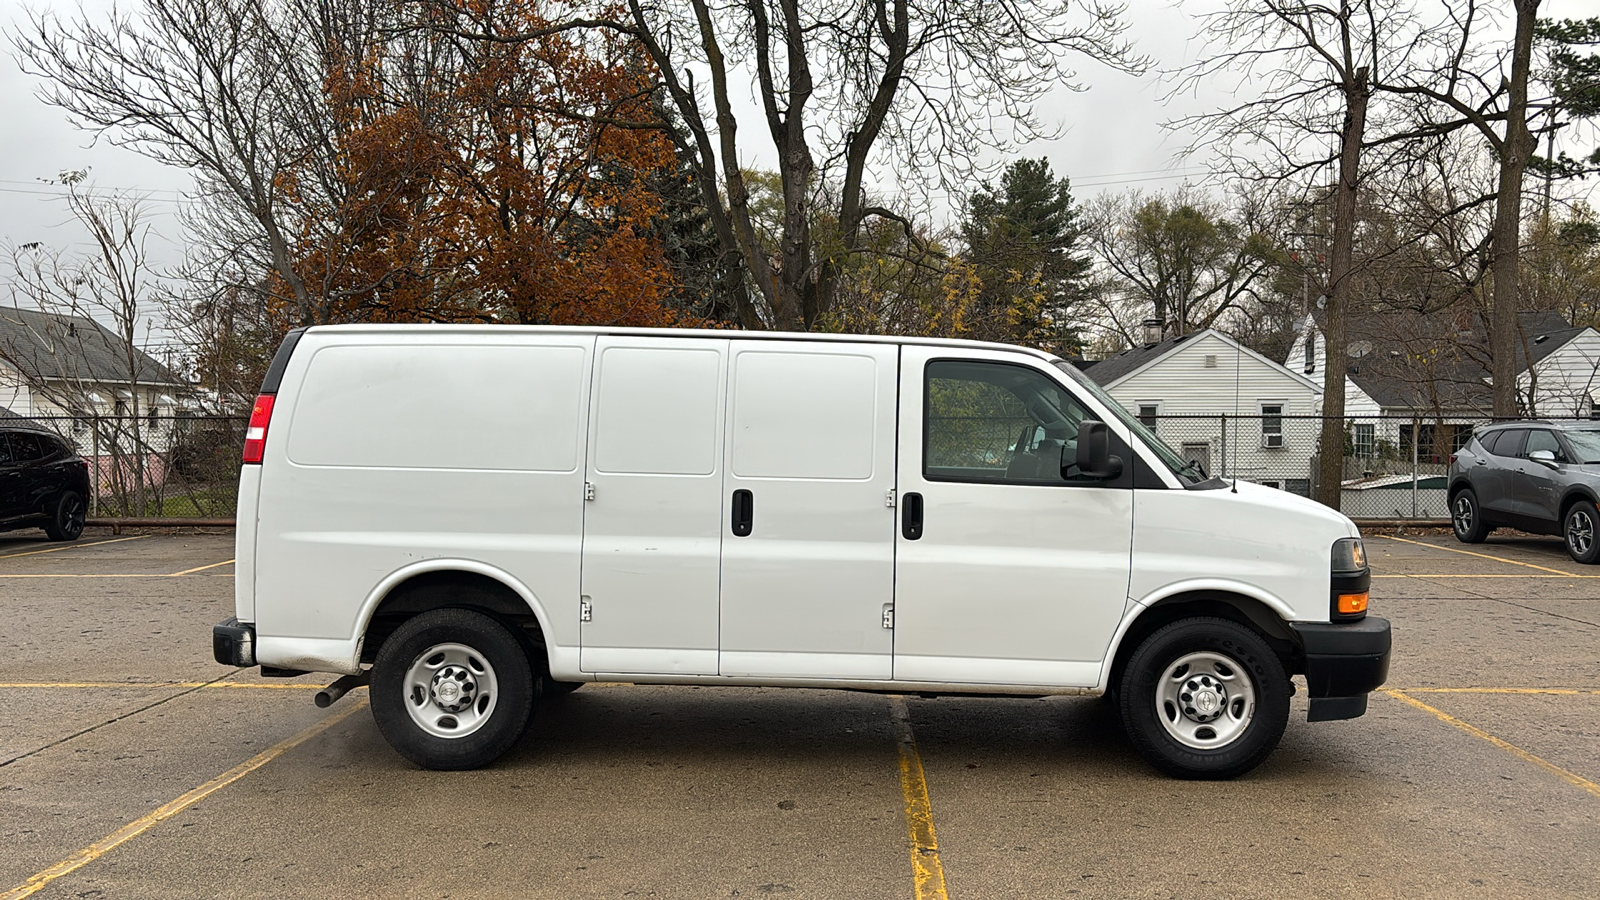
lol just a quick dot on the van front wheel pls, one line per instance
(452, 689)
(1204, 698)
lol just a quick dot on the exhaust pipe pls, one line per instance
(326, 697)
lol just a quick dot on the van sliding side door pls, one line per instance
(652, 530)
(808, 529)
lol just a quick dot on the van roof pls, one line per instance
(678, 333)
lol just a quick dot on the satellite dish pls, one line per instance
(1358, 349)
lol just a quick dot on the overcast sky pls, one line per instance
(1112, 139)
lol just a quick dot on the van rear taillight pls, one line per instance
(255, 434)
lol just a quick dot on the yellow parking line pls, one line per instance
(160, 684)
(74, 546)
(1479, 555)
(1529, 575)
(1490, 690)
(926, 871)
(144, 823)
(1552, 768)
(201, 568)
(96, 575)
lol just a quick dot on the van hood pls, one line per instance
(1272, 500)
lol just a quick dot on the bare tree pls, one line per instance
(851, 91)
(98, 309)
(1478, 83)
(237, 91)
(1185, 258)
(1312, 70)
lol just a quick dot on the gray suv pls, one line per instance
(1541, 477)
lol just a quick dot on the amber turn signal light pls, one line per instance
(1349, 604)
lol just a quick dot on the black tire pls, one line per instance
(1254, 707)
(490, 704)
(1581, 532)
(66, 521)
(1466, 517)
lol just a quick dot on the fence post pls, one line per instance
(94, 478)
(1224, 445)
(1416, 439)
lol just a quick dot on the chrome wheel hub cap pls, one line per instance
(1463, 515)
(450, 690)
(1205, 700)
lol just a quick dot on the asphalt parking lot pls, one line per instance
(131, 765)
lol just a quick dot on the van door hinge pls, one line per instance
(888, 615)
(585, 610)
(588, 490)
(889, 500)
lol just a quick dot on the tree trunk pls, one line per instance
(1330, 468)
(1515, 150)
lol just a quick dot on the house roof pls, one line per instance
(59, 347)
(1113, 368)
(1123, 365)
(1410, 361)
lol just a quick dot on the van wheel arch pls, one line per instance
(1247, 611)
(455, 589)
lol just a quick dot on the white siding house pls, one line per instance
(1220, 403)
(1565, 377)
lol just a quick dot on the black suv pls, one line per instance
(1541, 477)
(43, 482)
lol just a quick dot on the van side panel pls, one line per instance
(387, 450)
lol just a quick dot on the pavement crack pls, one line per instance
(112, 721)
(1546, 612)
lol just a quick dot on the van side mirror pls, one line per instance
(1094, 458)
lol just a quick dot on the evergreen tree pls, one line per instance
(1024, 242)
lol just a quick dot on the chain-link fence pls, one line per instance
(157, 466)
(1394, 467)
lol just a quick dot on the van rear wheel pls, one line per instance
(1204, 698)
(452, 689)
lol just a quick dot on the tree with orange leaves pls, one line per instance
(511, 183)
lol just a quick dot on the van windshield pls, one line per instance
(1186, 471)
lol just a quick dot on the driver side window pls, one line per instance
(997, 423)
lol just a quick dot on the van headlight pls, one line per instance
(1349, 579)
(1349, 555)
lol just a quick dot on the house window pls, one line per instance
(1148, 414)
(154, 418)
(1363, 440)
(122, 407)
(1272, 424)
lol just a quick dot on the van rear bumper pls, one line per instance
(1344, 661)
(233, 643)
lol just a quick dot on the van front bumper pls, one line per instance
(1344, 661)
(233, 643)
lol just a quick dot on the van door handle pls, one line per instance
(744, 513)
(911, 516)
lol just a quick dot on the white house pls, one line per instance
(57, 366)
(1221, 403)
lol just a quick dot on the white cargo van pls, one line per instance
(469, 515)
